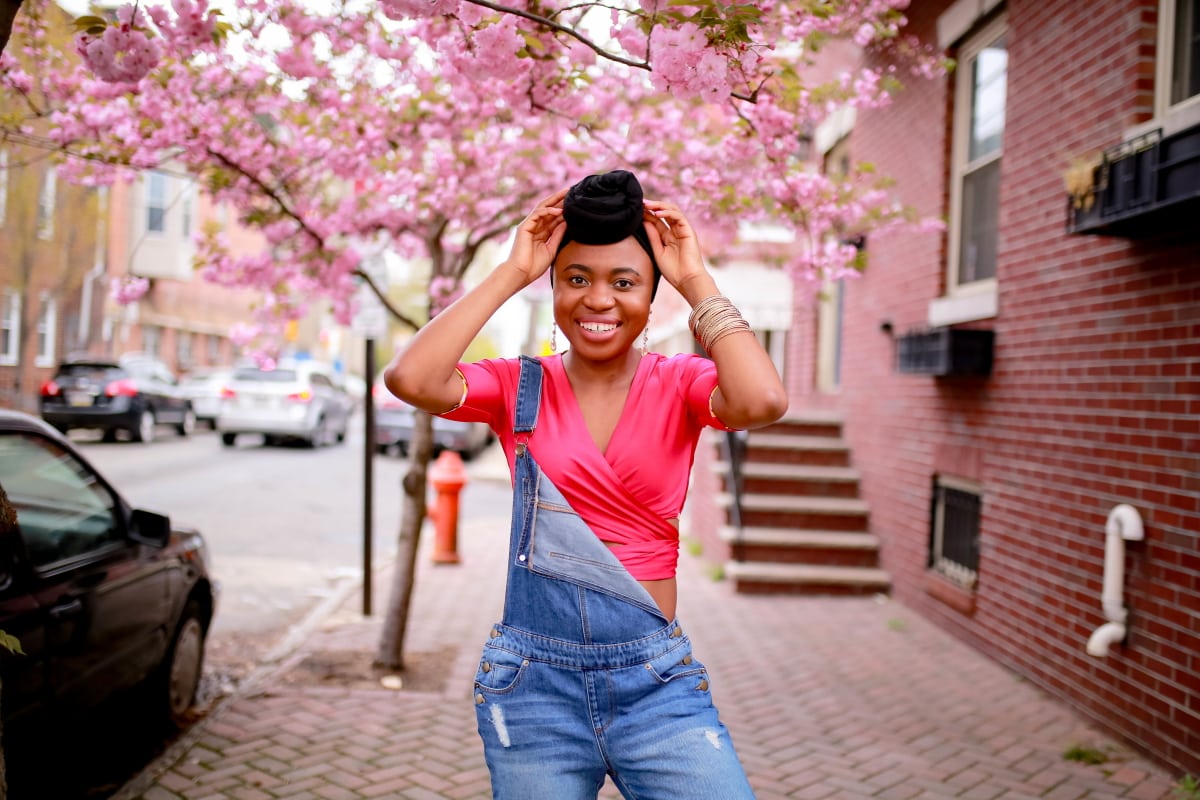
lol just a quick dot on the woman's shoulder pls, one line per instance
(679, 365)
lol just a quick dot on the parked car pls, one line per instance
(295, 400)
(394, 428)
(203, 388)
(133, 394)
(101, 597)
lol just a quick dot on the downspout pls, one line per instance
(1124, 524)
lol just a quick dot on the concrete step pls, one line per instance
(792, 479)
(817, 547)
(814, 540)
(780, 448)
(762, 578)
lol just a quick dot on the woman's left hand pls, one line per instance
(676, 247)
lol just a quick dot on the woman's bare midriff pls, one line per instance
(664, 591)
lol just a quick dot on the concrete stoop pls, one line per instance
(803, 528)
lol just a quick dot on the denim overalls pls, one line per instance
(584, 677)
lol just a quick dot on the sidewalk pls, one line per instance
(825, 698)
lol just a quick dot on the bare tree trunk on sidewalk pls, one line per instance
(390, 654)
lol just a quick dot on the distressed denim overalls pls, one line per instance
(584, 677)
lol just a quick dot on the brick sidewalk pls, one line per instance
(825, 697)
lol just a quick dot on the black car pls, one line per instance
(134, 394)
(101, 597)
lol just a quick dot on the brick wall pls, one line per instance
(1094, 399)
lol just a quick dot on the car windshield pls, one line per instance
(266, 376)
(95, 372)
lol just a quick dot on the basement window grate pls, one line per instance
(954, 530)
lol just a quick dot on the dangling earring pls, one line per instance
(646, 338)
(553, 338)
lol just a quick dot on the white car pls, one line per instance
(294, 401)
(203, 387)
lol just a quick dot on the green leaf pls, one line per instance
(11, 643)
(90, 24)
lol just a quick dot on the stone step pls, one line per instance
(792, 479)
(817, 547)
(776, 448)
(813, 540)
(813, 423)
(842, 506)
(763, 578)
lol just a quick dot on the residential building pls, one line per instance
(1017, 398)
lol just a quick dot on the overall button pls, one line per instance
(521, 557)
(686, 660)
(486, 667)
(478, 699)
(675, 634)
(495, 633)
(703, 685)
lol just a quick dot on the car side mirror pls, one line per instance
(149, 528)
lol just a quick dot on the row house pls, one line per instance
(999, 424)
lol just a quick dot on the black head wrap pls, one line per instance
(606, 209)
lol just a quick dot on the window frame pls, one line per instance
(10, 320)
(155, 203)
(961, 575)
(3, 186)
(46, 332)
(1171, 117)
(974, 300)
(47, 204)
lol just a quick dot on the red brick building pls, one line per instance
(1002, 387)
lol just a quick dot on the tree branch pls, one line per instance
(391, 309)
(563, 29)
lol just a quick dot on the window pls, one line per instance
(47, 326)
(63, 511)
(3, 185)
(10, 327)
(980, 93)
(151, 339)
(183, 349)
(214, 348)
(47, 202)
(954, 530)
(156, 202)
(1185, 51)
(189, 208)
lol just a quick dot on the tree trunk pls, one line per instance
(390, 654)
(8, 13)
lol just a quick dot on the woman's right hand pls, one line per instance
(537, 239)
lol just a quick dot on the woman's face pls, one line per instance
(602, 296)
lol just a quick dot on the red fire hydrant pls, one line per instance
(447, 477)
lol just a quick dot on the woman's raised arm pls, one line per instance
(423, 373)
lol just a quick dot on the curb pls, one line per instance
(279, 659)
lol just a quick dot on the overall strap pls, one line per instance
(529, 400)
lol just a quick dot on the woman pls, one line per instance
(589, 674)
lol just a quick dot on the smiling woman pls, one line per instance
(600, 441)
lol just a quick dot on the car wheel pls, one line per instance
(228, 439)
(179, 675)
(320, 435)
(109, 435)
(188, 424)
(144, 432)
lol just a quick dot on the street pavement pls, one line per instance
(825, 698)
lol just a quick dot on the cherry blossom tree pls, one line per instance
(432, 126)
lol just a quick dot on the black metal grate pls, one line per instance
(954, 539)
(945, 351)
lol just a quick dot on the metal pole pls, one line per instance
(368, 473)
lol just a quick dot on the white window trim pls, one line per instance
(47, 322)
(3, 186)
(1169, 118)
(47, 204)
(977, 300)
(12, 304)
(150, 232)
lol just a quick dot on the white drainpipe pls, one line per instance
(1124, 523)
